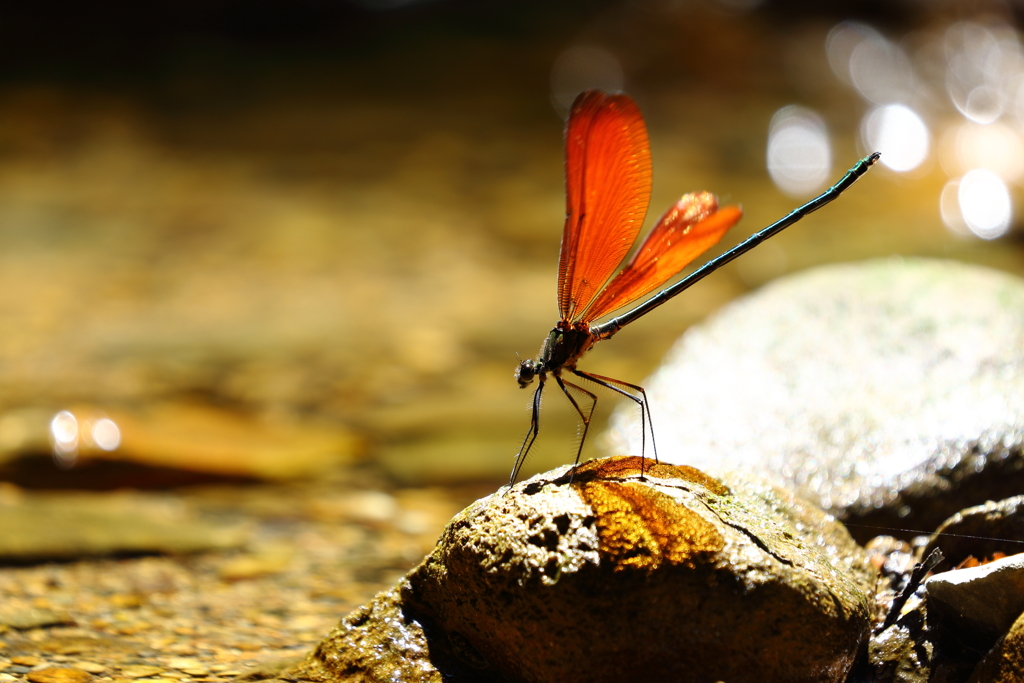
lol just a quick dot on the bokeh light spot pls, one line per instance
(983, 65)
(984, 203)
(899, 134)
(799, 153)
(875, 66)
(64, 438)
(105, 434)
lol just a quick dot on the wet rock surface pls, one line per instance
(981, 532)
(963, 622)
(985, 599)
(899, 401)
(610, 578)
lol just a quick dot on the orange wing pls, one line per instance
(686, 231)
(608, 188)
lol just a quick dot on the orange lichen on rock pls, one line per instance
(639, 526)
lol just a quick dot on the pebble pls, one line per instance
(254, 565)
(523, 584)
(27, 660)
(181, 664)
(889, 392)
(58, 674)
(26, 619)
(91, 667)
(140, 671)
(985, 599)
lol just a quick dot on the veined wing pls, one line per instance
(687, 230)
(608, 188)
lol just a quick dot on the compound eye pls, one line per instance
(525, 373)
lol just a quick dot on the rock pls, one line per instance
(140, 671)
(942, 630)
(1005, 662)
(91, 667)
(38, 527)
(27, 660)
(889, 392)
(58, 674)
(25, 619)
(610, 578)
(981, 531)
(983, 600)
(254, 565)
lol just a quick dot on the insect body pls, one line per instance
(608, 188)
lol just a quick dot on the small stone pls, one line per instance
(27, 660)
(255, 565)
(191, 667)
(140, 671)
(26, 619)
(601, 579)
(985, 599)
(91, 667)
(58, 674)
(889, 392)
(358, 506)
(130, 600)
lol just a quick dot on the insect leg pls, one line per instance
(640, 398)
(531, 435)
(585, 417)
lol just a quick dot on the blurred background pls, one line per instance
(288, 241)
